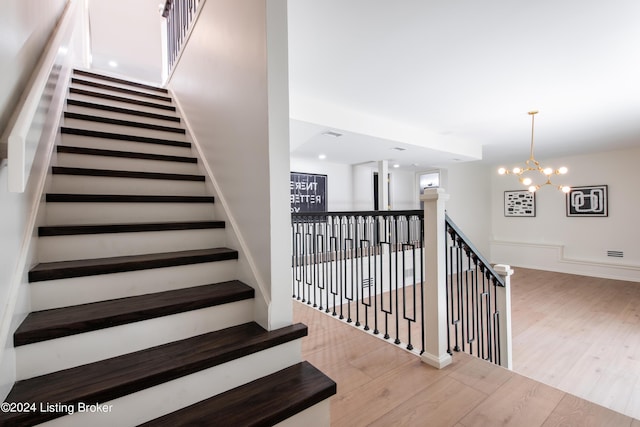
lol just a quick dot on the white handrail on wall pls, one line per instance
(25, 134)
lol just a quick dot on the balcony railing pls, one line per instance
(364, 267)
(410, 277)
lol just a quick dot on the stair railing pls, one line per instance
(411, 277)
(478, 308)
(180, 15)
(366, 268)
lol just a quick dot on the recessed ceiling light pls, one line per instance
(113, 64)
(395, 165)
(322, 156)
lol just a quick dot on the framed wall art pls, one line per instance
(519, 203)
(591, 200)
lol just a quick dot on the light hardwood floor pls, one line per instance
(579, 334)
(380, 384)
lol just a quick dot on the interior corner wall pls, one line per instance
(578, 245)
(339, 178)
(223, 86)
(469, 206)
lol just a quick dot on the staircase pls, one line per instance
(137, 316)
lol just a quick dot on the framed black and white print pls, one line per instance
(591, 200)
(519, 203)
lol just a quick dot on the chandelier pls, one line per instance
(532, 165)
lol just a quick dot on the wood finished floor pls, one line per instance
(379, 384)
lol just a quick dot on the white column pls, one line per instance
(503, 297)
(435, 302)
(383, 185)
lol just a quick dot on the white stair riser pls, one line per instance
(116, 84)
(125, 164)
(168, 397)
(82, 290)
(90, 246)
(121, 94)
(124, 116)
(125, 130)
(121, 104)
(119, 213)
(62, 353)
(82, 184)
(119, 145)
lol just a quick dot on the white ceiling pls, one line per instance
(459, 76)
(448, 80)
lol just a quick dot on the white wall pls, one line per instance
(553, 241)
(404, 190)
(339, 178)
(231, 83)
(26, 26)
(362, 187)
(469, 205)
(128, 32)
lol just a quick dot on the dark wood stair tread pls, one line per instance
(124, 198)
(118, 80)
(69, 230)
(61, 322)
(123, 137)
(92, 267)
(112, 378)
(112, 88)
(263, 402)
(103, 107)
(120, 122)
(124, 154)
(62, 170)
(124, 99)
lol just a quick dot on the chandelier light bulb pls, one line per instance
(534, 166)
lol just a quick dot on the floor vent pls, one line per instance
(615, 254)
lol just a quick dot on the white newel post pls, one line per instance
(504, 308)
(435, 302)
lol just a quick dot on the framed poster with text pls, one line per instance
(308, 192)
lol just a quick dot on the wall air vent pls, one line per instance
(615, 254)
(332, 134)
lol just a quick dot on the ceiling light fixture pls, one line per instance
(532, 165)
(113, 64)
(396, 165)
(322, 156)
